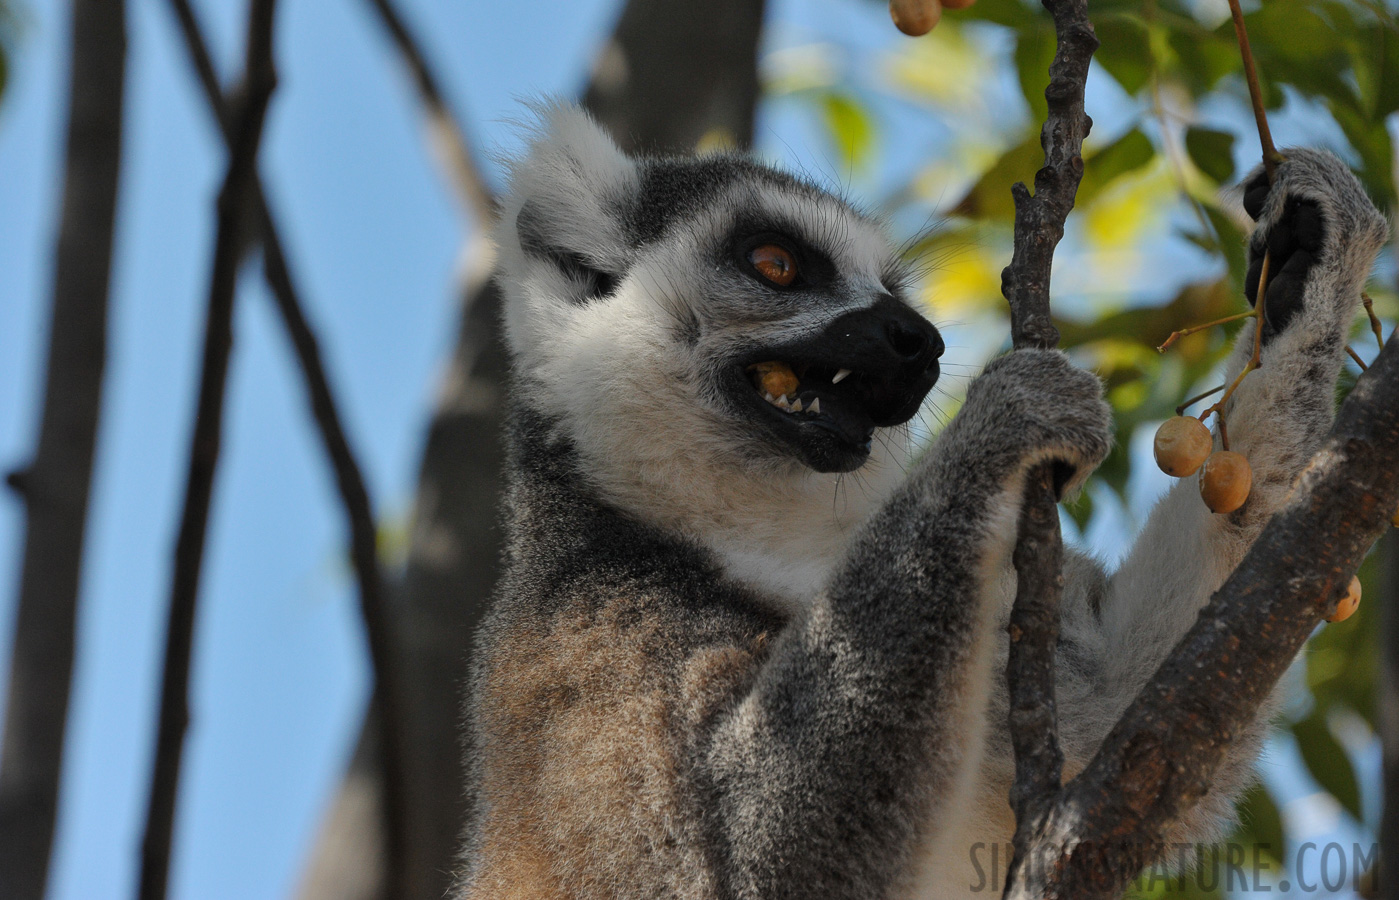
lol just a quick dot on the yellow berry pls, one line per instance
(915, 17)
(1225, 480)
(1349, 603)
(777, 378)
(1182, 445)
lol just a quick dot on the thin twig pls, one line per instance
(1271, 157)
(1255, 359)
(1177, 335)
(1034, 624)
(1358, 361)
(1374, 319)
(56, 485)
(233, 213)
(354, 496)
(1180, 410)
(454, 151)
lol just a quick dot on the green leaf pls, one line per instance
(1212, 151)
(1371, 140)
(1342, 659)
(1231, 244)
(1124, 51)
(850, 127)
(990, 197)
(1033, 54)
(1326, 759)
(1126, 154)
(1011, 13)
(1260, 823)
(1202, 58)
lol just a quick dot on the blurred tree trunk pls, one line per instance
(673, 72)
(56, 485)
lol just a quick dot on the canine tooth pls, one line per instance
(840, 376)
(797, 407)
(782, 403)
(815, 407)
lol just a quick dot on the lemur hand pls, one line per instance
(1035, 405)
(1321, 233)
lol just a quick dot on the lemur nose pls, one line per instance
(912, 337)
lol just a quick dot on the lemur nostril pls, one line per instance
(907, 342)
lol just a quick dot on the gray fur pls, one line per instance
(701, 681)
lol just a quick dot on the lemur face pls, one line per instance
(680, 281)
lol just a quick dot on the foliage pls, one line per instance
(1152, 178)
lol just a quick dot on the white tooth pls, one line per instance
(769, 398)
(840, 376)
(815, 407)
(782, 402)
(797, 407)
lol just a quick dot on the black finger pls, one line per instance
(1286, 289)
(1281, 239)
(1256, 194)
(1309, 226)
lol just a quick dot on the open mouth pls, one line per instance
(822, 397)
(813, 393)
(829, 412)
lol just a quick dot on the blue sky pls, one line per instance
(374, 239)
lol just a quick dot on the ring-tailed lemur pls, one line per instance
(715, 669)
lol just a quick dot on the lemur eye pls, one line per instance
(774, 263)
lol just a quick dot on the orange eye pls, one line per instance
(774, 263)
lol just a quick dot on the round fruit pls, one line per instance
(1349, 603)
(915, 17)
(1225, 479)
(777, 378)
(1182, 445)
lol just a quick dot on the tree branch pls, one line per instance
(448, 137)
(354, 496)
(233, 218)
(1388, 706)
(56, 485)
(1160, 758)
(1038, 558)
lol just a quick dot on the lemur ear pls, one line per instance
(568, 201)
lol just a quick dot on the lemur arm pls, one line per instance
(859, 725)
(1323, 233)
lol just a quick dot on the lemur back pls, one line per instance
(745, 645)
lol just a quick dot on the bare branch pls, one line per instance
(233, 218)
(56, 484)
(1160, 758)
(1039, 220)
(454, 151)
(1388, 688)
(1038, 559)
(350, 482)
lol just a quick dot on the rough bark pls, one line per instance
(1038, 558)
(234, 220)
(55, 486)
(1160, 758)
(672, 73)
